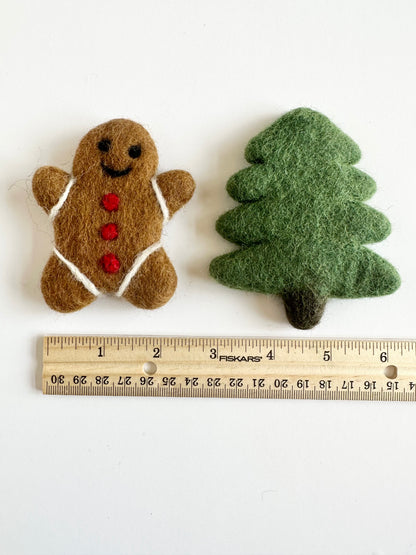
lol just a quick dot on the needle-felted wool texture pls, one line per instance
(108, 218)
(302, 223)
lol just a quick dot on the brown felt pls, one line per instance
(61, 290)
(138, 218)
(304, 308)
(179, 181)
(48, 185)
(155, 282)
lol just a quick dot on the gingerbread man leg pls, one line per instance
(61, 290)
(154, 283)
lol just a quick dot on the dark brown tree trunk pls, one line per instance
(304, 308)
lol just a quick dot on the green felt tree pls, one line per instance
(302, 223)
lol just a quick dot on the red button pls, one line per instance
(110, 201)
(110, 263)
(109, 232)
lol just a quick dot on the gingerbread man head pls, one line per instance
(120, 148)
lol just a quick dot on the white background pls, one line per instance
(100, 476)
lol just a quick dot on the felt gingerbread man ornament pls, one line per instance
(108, 218)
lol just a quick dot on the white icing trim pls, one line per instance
(55, 209)
(140, 259)
(142, 256)
(88, 284)
(161, 200)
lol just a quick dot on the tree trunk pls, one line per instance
(304, 309)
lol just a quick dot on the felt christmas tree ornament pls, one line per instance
(302, 223)
(108, 218)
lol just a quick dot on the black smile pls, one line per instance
(115, 173)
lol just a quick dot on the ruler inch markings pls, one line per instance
(298, 369)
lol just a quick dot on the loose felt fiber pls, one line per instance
(302, 222)
(110, 216)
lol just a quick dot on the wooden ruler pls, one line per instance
(230, 367)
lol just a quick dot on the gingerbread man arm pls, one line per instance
(177, 187)
(48, 184)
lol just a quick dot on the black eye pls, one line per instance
(104, 145)
(135, 151)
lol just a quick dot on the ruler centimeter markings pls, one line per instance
(326, 369)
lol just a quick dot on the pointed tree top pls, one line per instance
(300, 134)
